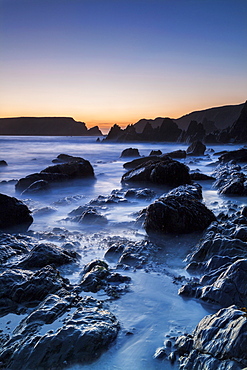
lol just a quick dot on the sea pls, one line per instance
(152, 311)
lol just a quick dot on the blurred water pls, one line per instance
(152, 309)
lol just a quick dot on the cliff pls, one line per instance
(45, 126)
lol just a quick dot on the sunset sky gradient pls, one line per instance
(116, 61)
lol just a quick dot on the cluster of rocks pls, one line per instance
(53, 312)
(71, 168)
(167, 130)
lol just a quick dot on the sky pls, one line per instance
(117, 61)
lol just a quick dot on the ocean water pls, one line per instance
(152, 309)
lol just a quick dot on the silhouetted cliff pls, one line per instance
(46, 126)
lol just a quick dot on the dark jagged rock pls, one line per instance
(196, 148)
(140, 161)
(230, 179)
(46, 254)
(168, 131)
(239, 155)
(92, 217)
(198, 176)
(97, 276)
(11, 245)
(81, 169)
(81, 337)
(178, 214)
(130, 152)
(140, 193)
(194, 190)
(23, 286)
(162, 171)
(3, 163)
(14, 215)
(176, 154)
(94, 131)
(114, 133)
(238, 131)
(155, 152)
(65, 158)
(218, 342)
(194, 132)
(37, 187)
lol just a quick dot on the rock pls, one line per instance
(196, 148)
(130, 152)
(230, 287)
(94, 131)
(58, 173)
(23, 286)
(14, 215)
(198, 176)
(92, 217)
(141, 161)
(97, 276)
(65, 158)
(3, 163)
(114, 133)
(140, 193)
(164, 171)
(81, 337)
(36, 187)
(194, 190)
(177, 214)
(46, 254)
(155, 152)
(11, 245)
(218, 342)
(239, 155)
(230, 179)
(176, 154)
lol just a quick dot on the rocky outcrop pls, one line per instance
(14, 215)
(239, 155)
(196, 148)
(45, 126)
(218, 342)
(81, 336)
(23, 287)
(3, 163)
(130, 152)
(230, 179)
(45, 254)
(81, 169)
(164, 170)
(178, 212)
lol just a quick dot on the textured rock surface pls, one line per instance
(81, 337)
(14, 215)
(162, 171)
(218, 342)
(178, 212)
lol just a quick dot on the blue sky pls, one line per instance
(117, 61)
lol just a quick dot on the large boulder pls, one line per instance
(196, 148)
(239, 155)
(43, 254)
(14, 215)
(178, 213)
(218, 342)
(75, 169)
(164, 170)
(130, 152)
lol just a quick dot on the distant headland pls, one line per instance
(46, 126)
(213, 125)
